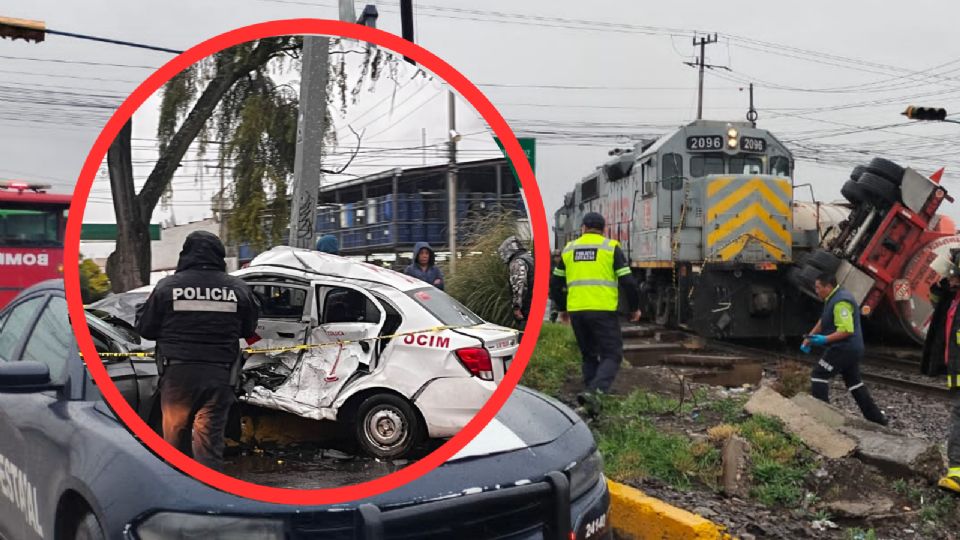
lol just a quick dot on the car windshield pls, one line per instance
(444, 307)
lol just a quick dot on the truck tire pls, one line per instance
(387, 426)
(881, 192)
(857, 171)
(854, 192)
(802, 277)
(808, 275)
(885, 168)
(824, 261)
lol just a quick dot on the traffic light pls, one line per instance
(22, 29)
(925, 113)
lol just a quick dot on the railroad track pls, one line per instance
(904, 361)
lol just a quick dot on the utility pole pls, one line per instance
(452, 181)
(311, 127)
(700, 63)
(423, 144)
(406, 23)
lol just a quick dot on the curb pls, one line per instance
(636, 516)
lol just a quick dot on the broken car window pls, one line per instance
(279, 302)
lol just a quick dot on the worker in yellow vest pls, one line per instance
(594, 270)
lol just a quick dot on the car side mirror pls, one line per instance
(26, 375)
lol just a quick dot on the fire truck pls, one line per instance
(32, 223)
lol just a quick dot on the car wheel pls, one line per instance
(857, 171)
(387, 426)
(880, 191)
(854, 192)
(88, 528)
(824, 260)
(887, 169)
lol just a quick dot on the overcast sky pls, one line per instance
(831, 78)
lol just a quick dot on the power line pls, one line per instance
(111, 41)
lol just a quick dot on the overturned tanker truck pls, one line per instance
(707, 218)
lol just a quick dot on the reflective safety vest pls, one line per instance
(591, 279)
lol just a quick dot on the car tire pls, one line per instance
(880, 191)
(854, 192)
(824, 261)
(88, 528)
(387, 426)
(857, 171)
(887, 169)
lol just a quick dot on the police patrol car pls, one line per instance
(69, 470)
(387, 355)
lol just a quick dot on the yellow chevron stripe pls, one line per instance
(717, 185)
(786, 186)
(755, 210)
(753, 186)
(731, 251)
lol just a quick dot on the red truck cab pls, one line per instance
(32, 224)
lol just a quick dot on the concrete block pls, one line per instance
(736, 474)
(818, 436)
(898, 455)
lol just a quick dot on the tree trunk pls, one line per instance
(129, 265)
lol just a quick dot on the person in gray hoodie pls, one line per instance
(424, 265)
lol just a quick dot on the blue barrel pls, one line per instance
(436, 233)
(349, 215)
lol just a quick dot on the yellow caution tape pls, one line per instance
(306, 346)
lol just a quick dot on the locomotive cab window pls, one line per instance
(590, 190)
(745, 165)
(704, 165)
(672, 171)
(780, 166)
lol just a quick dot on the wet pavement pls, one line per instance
(322, 470)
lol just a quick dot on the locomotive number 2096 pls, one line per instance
(705, 142)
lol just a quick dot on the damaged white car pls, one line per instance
(390, 357)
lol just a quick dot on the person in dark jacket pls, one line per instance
(328, 244)
(520, 267)
(839, 331)
(941, 293)
(942, 352)
(424, 265)
(197, 317)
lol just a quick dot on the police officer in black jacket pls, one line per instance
(197, 317)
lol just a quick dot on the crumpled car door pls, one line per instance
(347, 318)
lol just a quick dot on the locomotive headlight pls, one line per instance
(732, 137)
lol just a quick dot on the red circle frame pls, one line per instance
(72, 251)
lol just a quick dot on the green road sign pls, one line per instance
(108, 231)
(529, 146)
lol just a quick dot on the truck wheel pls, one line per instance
(854, 192)
(881, 192)
(88, 528)
(887, 169)
(802, 277)
(857, 171)
(387, 426)
(824, 261)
